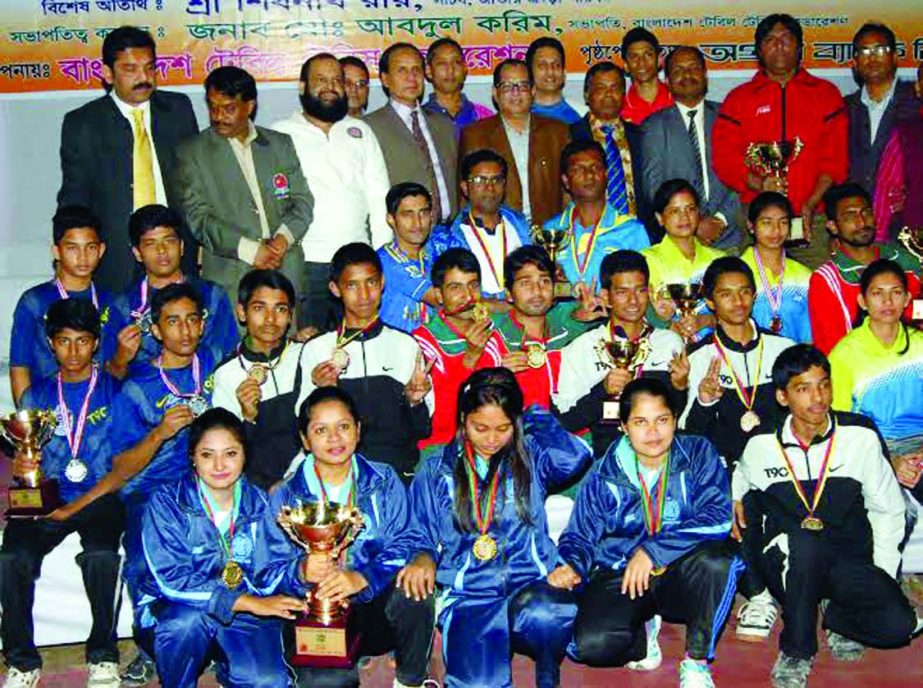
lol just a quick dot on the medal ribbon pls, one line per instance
(591, 243)
(490, 261)
(483, 522)
(522, 328)
(654, 518)
(351, 497)
(143, 308)
(62, 292)
(341, 330)
(196, 377)
(821, 477)
(75, 434)
(227, 545)
(746, 399)
(774, 296)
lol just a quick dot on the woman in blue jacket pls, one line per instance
(216, 561)
(333, 470)
(648, 537)
(482, 536)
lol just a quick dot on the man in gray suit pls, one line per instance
(241, 188)
(418, 146)
(676, 143)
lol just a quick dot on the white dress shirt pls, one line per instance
(519, 145)
(491, 283)
(404, 112)
(159, 193)
(877, 108)
(699, 118)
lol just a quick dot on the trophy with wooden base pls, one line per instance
(28, 431)
(772, 159)
(552, 241)
(626, 355)
(323, 637)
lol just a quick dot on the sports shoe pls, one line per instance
(22, 679)
(103, 674)
(756, 617)
(790, 672)
(140, 672)
(844, 649)
(693, 674)
(654, 656)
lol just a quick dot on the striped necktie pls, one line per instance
(615, 173)
(420, 139)
(144, 190)
(693, 131)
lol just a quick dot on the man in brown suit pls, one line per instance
(530, 144)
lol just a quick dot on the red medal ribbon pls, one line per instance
(747, 399)
(350, 498)
(75, 433)
(483, 522)
(62, 292)
(341, 330)
(490, 261)
(821, 483)
(196, 377)
(654, 517)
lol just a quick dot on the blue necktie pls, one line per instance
(615, 174)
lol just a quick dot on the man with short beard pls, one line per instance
(346, 173)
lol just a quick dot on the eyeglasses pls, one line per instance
(510, 86)
(486, 180)
(359, 83)
(876, 50)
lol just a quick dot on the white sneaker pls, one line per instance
(756, 617)
(692, 674)
(654, 656)
(22, 679)
(103, 674)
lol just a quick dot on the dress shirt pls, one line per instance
(700, 130)
(519, 145)
(126, 111)
(404, 112)
(876, 108)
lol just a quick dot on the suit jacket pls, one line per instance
(219, 208)
(96, 170)
(546, 139)
(403, 158)
(667, 154)
(865, 154)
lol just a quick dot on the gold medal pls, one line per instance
(812, 523)
(340, 358)
(480, 311)
(485, 548)
(749, 421)
(257, 372)
(232, 575)
(535, 355)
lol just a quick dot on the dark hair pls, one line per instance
(149, 217)
(216, 419)
(522, 256)
(623, 260)
(574, 147)
(766, 24)
(510, 62)
(602, 68)
(69, 217)
(485, 387)
(874, 27)
(454, 259)
(440, 43)
(384, 61)
(884, 266)
(544, 42)
(72, 314)
(322, 395)
(840, 192)
(479, 156)
(123, 38)
(769, 199)
(637, 35)
(306, 67)
(796, 360)
(669, 189)
(353, 61)
(399, 192)
(355, 253)
(652, 387)
(171, 293)
(724, 265)
(231, 81)
(699, 56)
(270, 279)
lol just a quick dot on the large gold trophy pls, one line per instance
(28, 431)
(685, 297)
(772, 159)
(323, 637)
(627, 355)
(553, 241)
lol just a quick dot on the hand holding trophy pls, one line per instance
(625, 356)
(685, 297)
(552, 241)
(28, 431)
(772, 159)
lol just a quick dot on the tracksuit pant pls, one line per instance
(697, 590)
(25, 545)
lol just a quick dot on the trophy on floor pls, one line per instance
(553, 240)
(685, 296)
(911, 238)
(772, 159)
(627, 355)
(323, 636)
(28, 431)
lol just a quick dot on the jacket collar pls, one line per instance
(252, 500)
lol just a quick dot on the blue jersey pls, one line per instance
(220, 332)
(140, 408)
(792, 310)
(29, 346)
(561, 111)
(95, 449)
(406, 282)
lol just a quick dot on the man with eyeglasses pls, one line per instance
(530, 144)
(783, 102)
(356, 80)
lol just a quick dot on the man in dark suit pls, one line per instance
(107, 161)
(676, 144)
(418, 146)
(530, 144)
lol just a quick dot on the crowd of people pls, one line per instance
(443, 315)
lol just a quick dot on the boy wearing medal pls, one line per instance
(822, 517)
(406, 261)
(382, 368)
(261, 380)
(77, 250)
(156, 244)
(78, 455)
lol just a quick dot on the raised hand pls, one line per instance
(679, 371)
(249, 395)
(420, 383)
(710, 389)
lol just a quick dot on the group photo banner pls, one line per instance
(55, 45)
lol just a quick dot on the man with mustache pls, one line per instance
(346, 173)
(118, 150)
(833, 291)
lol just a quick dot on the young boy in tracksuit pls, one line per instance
(822, 518)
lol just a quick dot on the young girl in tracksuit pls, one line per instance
(647, 537)
(481, 532)
(216, 563)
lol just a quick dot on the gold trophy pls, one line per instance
(553, 241)
(771, 159)
(323, 637)
(685, 296)
(28, 431)
(624, 354)
(911, 238)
